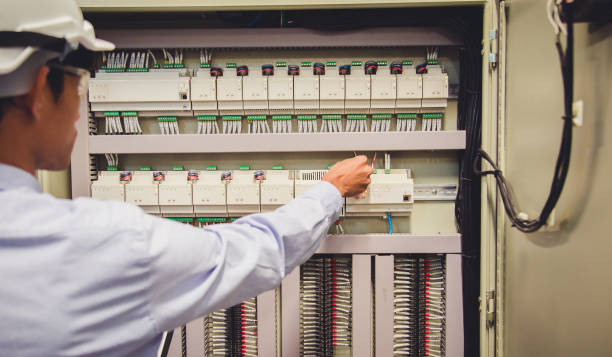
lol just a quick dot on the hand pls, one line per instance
(351, 176)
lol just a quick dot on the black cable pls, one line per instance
(166, 344)
(563, 159)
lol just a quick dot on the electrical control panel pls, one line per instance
(209, 194)
(390, 191)
(154, 91)
(175, 195)
(243, 193)
(276, 189)
(143, 190)
(108, 186)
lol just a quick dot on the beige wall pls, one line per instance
(56, 183)
(559, 287)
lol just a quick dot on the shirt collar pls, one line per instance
(12, 177)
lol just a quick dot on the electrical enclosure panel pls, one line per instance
(243, 193)
(276, 189)
(255, 94)
(108, 187)
(229, 93)
(388, 192)
(331, 93)
(175, 197)
(409, 90)
(306, 92)
(305, 179)
(383, 92)
(204, 93)
(435, 88)
(280, 93)
(143, 191)
(357, 92)
(209, 194)
(149, 91)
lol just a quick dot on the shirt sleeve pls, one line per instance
(195, 271)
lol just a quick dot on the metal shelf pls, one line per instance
(294, 142)
(396, 243)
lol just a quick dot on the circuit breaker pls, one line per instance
(306, 179)
(144, 190)
(255, 93)
(204, 93)
(209, 194)
(331, 90)
(306, 90)
(390, 191)
(175, 195)
(229, 92)
(435, 88)
(280, 90)
(409, 90)
(384, 90)
(357, 90)
(243, 192)
(276, 189)
(109, 186)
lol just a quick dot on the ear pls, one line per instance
(37, 96)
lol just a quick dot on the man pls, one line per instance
(88, 278)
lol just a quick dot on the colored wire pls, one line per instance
(390, 222)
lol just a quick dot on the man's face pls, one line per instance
(57, 129)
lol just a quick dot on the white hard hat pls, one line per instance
(35, 31)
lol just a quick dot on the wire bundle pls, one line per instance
(405, 304)
(331, 123)
(168, 125)
(207, 124)
(406, 122)
(356, 123)
(519, 219)
(281, 123)
(130, 123)
(248, 328)
(232, 124)
(431, 122)
(381, 122)
(112, 124)
(325, 324)
(258, 125)
(432, 307)
(307, 124)
(215, 334)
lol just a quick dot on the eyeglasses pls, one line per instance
(83, 75)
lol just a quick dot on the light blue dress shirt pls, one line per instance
(99, 278)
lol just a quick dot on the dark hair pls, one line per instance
(82, 58)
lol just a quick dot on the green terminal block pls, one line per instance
(175, 65)
(356, 63)
(281, 117)
(207, 117)
(230, 65)
(138, 70)
(169, 118)
(407, 62)
(211, 168)
(145, 168)
(381, 63)
(233, 219)
(182, 219)
(111, 114)
(307, 117)
(387, 171)
(256, 117)
(212, 219)
(381, 116)
(114, 70)
(281, 64)
(204, 65)
(111, 168)
(129, 114)
(433, 115)
(374, 171)
(277, 167)
(406, 116)
(178, 168)
(331, 117)
(356, 117)
(245, 167)
(432, 62)
(330, 166)
(331, 64)
(231, 117)
(156, 66)
(306, 64)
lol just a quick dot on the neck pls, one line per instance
(15, 142)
